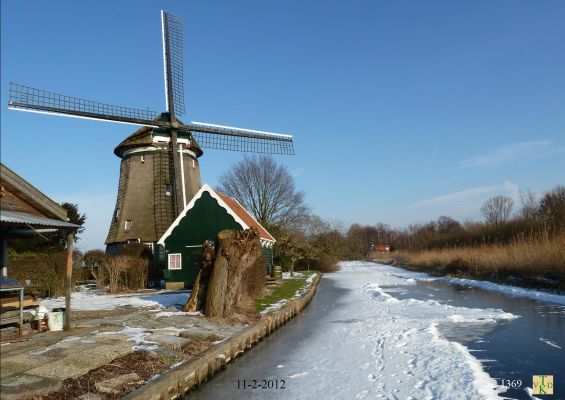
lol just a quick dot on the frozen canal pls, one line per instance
(374, 331)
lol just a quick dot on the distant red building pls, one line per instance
(382, 248)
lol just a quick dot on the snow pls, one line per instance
(413, 277)
(531, 393)
(507, 289)
(91, 300)
(286, 275)
(378, 346)
(299, 292)
(136, 335)
(549, 342)
(172, 313)
(274, 306)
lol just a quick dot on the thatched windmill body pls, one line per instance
(159, 171)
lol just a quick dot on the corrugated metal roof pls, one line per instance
(29, 193)
(12, 217)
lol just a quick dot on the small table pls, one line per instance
(11, 285)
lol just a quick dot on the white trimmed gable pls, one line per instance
(214, 195)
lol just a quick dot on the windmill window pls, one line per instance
(168, 189)
(150, 246)
(127, 224)
(117, 215)
(175, 261)
(142, 159)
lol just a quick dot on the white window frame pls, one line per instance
(128, 224)
(179, 261)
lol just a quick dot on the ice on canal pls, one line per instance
(378, 346)
(379, 332)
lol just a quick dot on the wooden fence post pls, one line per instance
(68, 280)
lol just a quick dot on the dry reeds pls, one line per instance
(526, 257)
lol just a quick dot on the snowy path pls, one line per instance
(357, 341)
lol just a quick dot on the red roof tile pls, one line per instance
(245, 216)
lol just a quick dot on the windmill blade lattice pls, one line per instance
(26, 98)
(238, 139)
(173, 60)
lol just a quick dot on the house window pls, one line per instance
(175, 261)
(127, 224)
(168, 189)
(150, 246)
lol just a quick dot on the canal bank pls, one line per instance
(375, 331)
(182, 379)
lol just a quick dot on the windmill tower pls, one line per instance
(159, 170)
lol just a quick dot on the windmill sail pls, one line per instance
(173, 63)
(25, 98)
(159, 168)
(239, 139)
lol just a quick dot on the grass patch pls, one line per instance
(286, 290)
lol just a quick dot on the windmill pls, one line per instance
(159, 170)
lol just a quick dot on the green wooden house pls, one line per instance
(208, 213)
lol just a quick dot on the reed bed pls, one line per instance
(542, 256)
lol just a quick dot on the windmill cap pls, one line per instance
(144, 137)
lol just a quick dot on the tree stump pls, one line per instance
(232, 275)
(198, 294)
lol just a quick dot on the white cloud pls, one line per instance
(461, 204)
(512, 152)
(455, 197)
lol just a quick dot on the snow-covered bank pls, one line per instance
(286, 276)
(91, 300)
(507, 289)
(486, 285)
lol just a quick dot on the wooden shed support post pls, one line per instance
(68, 280)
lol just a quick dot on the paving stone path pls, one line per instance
(39, 365)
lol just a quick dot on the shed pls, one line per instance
(25, 213)
(207, 214)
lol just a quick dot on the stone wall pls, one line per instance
(176, 382)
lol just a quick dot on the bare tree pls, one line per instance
(552, 208)
(530, 205)
(496, 210)
(267, 190)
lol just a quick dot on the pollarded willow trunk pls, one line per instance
(231, 276)
(238, 275)
(198, 293)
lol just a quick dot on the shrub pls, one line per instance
(321, 262)
(94, 261)
(126, 272)
(46, 271)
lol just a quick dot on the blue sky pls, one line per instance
(402, 111)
